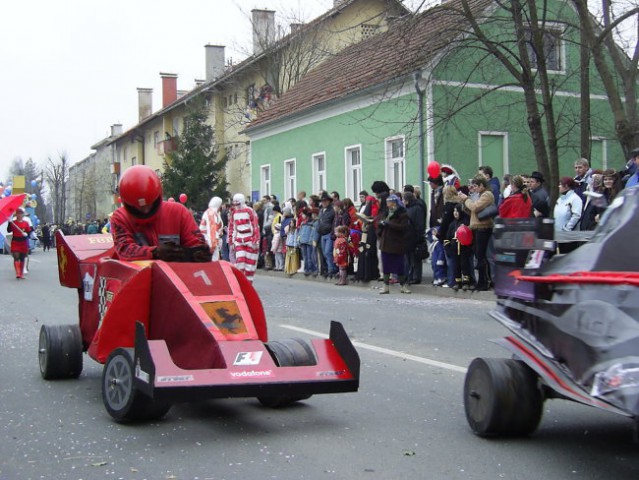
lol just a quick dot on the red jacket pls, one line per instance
(516, 206)
(136, 239)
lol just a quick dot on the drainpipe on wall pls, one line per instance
(420, 127)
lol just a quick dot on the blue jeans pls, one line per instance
(451, 267)
(310, 258)
(327, 250)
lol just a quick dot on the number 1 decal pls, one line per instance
(204, 276)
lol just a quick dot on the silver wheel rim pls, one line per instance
(118, 382)
(42, 351)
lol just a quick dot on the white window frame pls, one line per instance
(390, 162)
(290, 181)
(505, 158)
(553, 27)
(318, 174)
(604, 150)
(352, 191)
(265, 184)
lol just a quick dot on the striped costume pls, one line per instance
(244, 238)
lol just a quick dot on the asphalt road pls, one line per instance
(406, 422)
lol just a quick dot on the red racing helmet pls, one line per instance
(140, 187)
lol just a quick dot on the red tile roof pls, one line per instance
(409, 45)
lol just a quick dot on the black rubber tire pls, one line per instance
(502, 397)
(290, 352)
(120, 397)
(60, 351)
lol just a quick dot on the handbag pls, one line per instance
(489, 212)
(421, 250)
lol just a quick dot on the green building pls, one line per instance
(425, 91)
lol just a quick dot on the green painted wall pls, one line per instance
(368, 127)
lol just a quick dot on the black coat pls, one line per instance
(325, 220)
(417, 216)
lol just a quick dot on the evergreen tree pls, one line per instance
(193, 168)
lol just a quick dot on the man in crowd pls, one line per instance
(583, 177)
(539, 195)
(325, 229)
(633, 180)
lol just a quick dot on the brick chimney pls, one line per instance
(169, 88)
(214, 61)
(263, 29)
(145, 103)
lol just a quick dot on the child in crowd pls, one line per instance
(307, 230)
(459, 249)
(340, 253)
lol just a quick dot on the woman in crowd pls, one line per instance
(367, 267)
(277, 244)
(518, 203)
(212, 227)
(568, 208)
(593, 203)
(20, 229)
(482, 227)
(391, 232)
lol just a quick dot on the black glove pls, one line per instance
(169, 252)
(198, 254)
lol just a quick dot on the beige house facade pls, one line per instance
(236, 94)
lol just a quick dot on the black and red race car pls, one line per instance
(573, 318)
(169, 332)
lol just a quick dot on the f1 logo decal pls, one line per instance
(248, 358)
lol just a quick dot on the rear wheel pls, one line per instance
(290, 352)
(502, 397)
(121, 399)
(60, 351)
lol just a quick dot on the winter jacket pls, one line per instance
(516, 205)
(475, 206)
(447, 217)
(325, 220)
(392, 231)
(567, 211)
(541, 201)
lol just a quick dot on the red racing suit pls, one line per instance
(136, 239)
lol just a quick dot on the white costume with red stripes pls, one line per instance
(244, 236)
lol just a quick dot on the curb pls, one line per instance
(425, 288)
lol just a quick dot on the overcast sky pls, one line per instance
(70, 68)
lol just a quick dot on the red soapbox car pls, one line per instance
(173, 332)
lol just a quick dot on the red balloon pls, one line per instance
(434, 169)
(183, 198)
(464, 235)
(171, 199)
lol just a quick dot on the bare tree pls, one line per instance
(56, 176)
(619, 75)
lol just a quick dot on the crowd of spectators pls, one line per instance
(386, 235)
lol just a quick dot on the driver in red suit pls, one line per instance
(148, 228)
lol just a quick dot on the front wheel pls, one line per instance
(502, 397)
(60, 351)
(121, 399)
